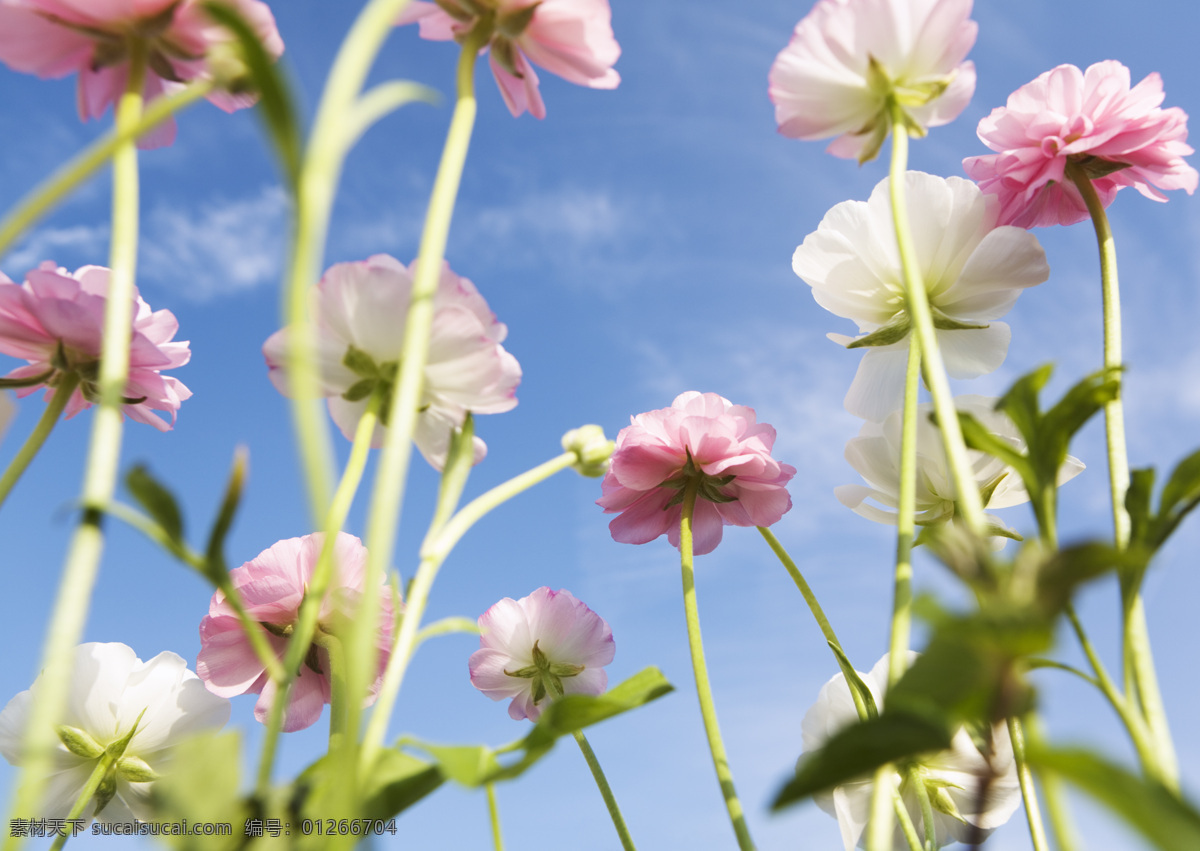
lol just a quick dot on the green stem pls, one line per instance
(606, 792)
(805, 591)
(922, 793)
(30, 209)
(1139, 661)
(54, 409)
(103, 764)
(917, 300)
(433, 553)
(1056, 799)
(494, 817)
(337, 679)
(703, 690)
(1037, 830)
(87, 542)
(880, 824)
(906, 823)
(906, 527)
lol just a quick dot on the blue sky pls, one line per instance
(638, 244)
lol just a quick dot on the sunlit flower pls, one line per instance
(361, 309)
(875, 454)
(570, 38)
(112, 693)
(541, 646)
(55, 320)
(972, 269)
(954, 777)
(848, 58)
(54, 38)
(1117, 135)
(702, 441)
(272, 586)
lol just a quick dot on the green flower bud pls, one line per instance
(80, 742)
(135, 770)
(592, 449)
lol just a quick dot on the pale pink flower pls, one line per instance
(110, 690)
(705, 440)
(847, 58)
(361, 309)
(54, 38)
(570, 38)
(542, 645)
(55, 320)
(1118, 135)
(272, 586)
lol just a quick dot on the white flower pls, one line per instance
(973, 272)
(958, 771)
(110, 688)
(361, 309)
(875, 454)
(848, 58)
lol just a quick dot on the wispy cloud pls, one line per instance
(73, 246)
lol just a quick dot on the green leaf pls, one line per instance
(1137, 503)
(394, 783)
(202, 785)
(214, 553)
(1068, 568)
(459, 459)
(978, 437)
(859, 750)
(857, 686)
(158, 502)
(1168, 821)
(891, 333)
(1183, 485)
(942, 322)
(1021, 401)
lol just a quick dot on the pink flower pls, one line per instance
(1119, 137)
(570, 38)
(701, 438)
(54, 38)
(361, 309)
(272, 586)
(848, 58)
(538, 647)
(55, 320)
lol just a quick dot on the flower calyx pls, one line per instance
(707, 487)
(547, 676)
(373, 378)
(592, 449)
(905, 95)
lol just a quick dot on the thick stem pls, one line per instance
(21, 461)
(880, 826)
(906, 526)
(494, 817)
(708, 710)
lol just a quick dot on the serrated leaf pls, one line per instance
(157, 501)
(1168, 821)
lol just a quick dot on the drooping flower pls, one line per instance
(55, 321)
(272, 586)
(538, 647)
(953, 777)
(112, 693)
(1118, 136)
(703, 441)
(973, 272)
(54, 38)
(570, 38)
(361, 309)
(875, 454)
(848, 58)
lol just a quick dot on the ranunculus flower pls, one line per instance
(110, 688)
(570, 38)
(848, 57)
(875, 454)
(972, 269)
(361, 309)
(705, 439)
(955, 772)
(54, 38)
(55, 320)
(272, 586)
(1118, 135)
(542, 645)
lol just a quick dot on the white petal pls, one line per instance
(974, 352)
(1007, 261)
(878, 386)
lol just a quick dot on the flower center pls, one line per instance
(546, 676)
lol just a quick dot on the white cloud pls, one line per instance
(74, 246)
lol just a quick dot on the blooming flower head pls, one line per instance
(55, 321)
(113, 693)
(54, 38)
(361, 309)
(973, 272)
(1116, 135)
(848, 58)
(702, 441)
(875, 454)
(570, 38)
(272, 586)
(953, 777)
(539, 647)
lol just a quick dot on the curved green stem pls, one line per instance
(610, 800)
(1037, 830)
(494, 817)
(103, 764)
(87, 542)
(917, 300)
(708, 710)
(906, 823)
(906, 526)
(805, 591)
(45, 425)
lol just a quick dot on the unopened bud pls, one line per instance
(592, 449)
